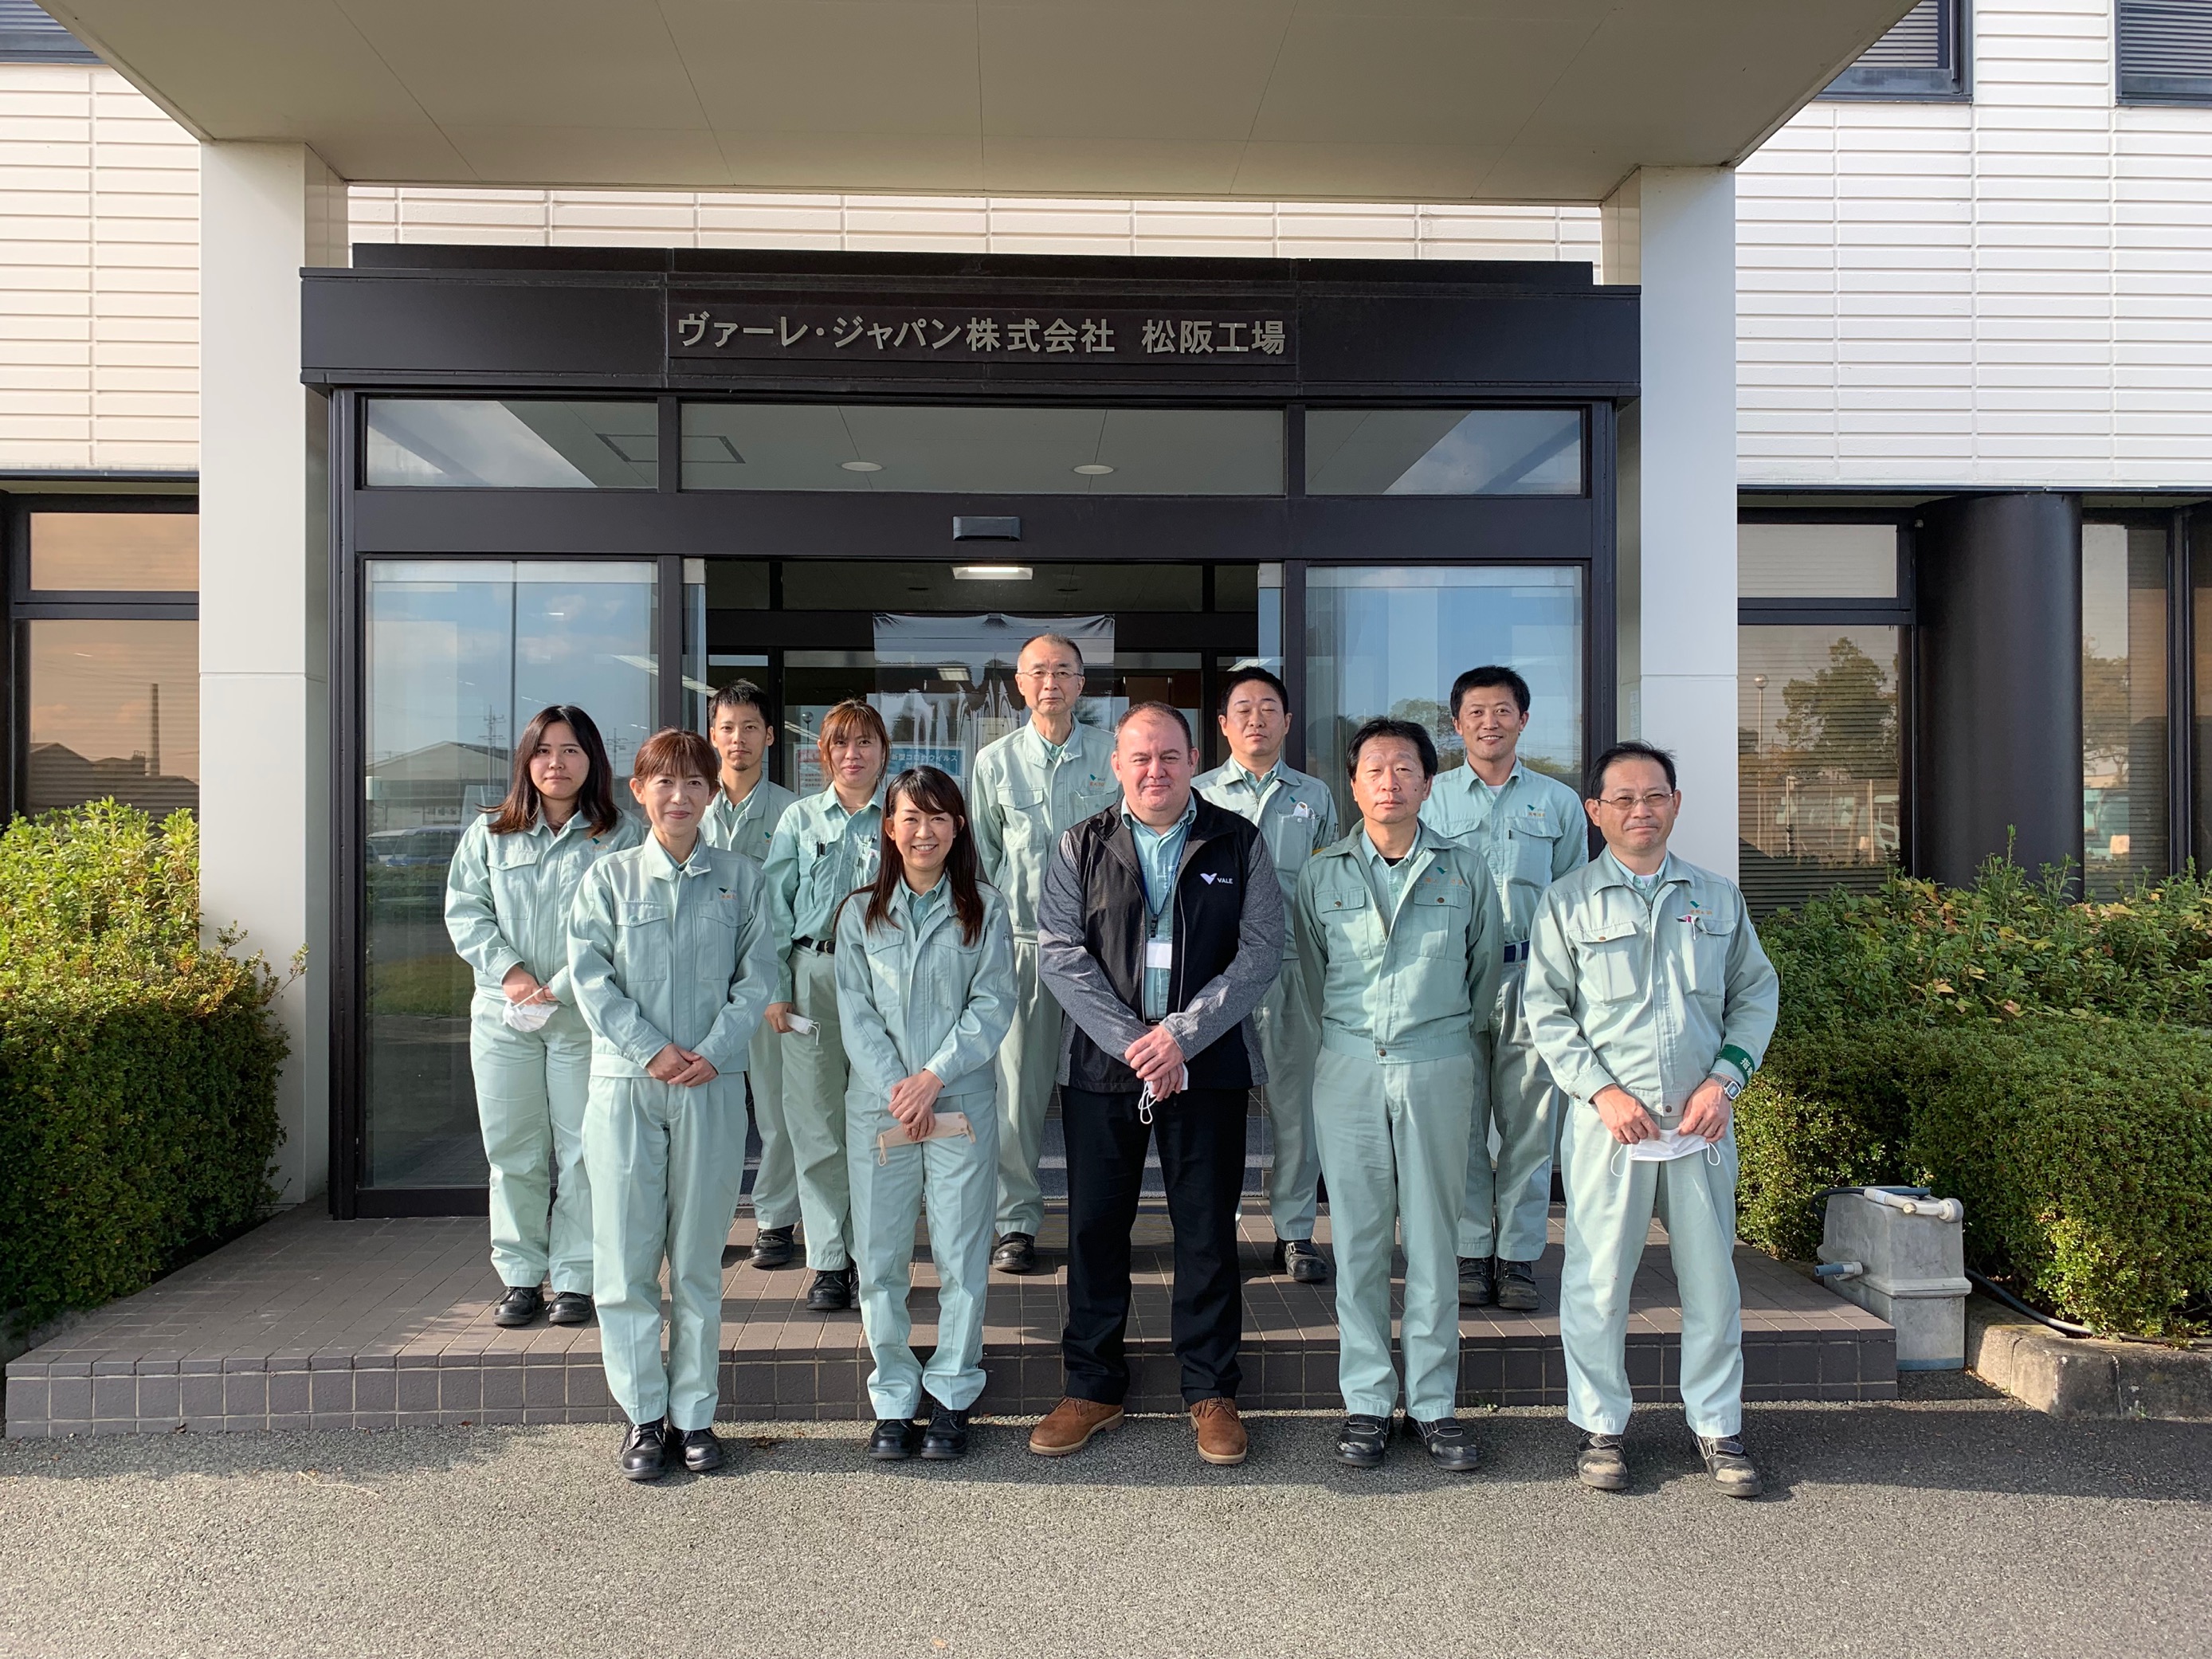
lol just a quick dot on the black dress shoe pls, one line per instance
(1301, 1260)
(1447, 1443)
(645, 1451)
(946, 1438)
(1015, 1253)
(896, 1439)
(569, 1308)
(833, 1290)
(1476, 1287)
(702, 1452)
(1516, 1284)
(1361, 1440)
(521, 1305)
(773, 1247)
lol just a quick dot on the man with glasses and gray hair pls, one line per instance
(1025, 791)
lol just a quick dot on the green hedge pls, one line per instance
(138, 1067)
(2046, 1062)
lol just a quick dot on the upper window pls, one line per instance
(115, 552)
(1816, 561)
(2166, 51)
(1444, 452)
(28, 35)
(513, 443)
(1923, 56)
(990, 452)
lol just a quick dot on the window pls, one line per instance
(992, 452)
(1923, 56)
(1444, 452)
(28, 35)
(2164, 51)
(107, 642)
(2123, 709)
(513, 443)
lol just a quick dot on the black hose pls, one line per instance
(1993, 1288)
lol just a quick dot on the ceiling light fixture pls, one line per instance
(1094, 469)
(991, 573)
(861, 467)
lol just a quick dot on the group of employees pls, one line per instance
(1439, 1005)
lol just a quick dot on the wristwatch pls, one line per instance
(1729, 1087)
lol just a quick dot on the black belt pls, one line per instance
(1516, 953)
(828, 947)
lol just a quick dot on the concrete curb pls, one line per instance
(2082, 1376)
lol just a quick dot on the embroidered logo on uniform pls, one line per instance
(1209, 879)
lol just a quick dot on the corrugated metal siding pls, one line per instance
(2010, 293)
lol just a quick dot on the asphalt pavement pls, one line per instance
(1954, 1522)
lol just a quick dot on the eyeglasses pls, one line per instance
(1062, 676)
(1654, 800)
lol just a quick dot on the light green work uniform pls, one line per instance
(819, 854)
(1655, 994)
(1024, 794)
(663, 952)
(1297, 814)
(913, 997)
(507, 903)
(744, 827)
(1531, 832)
(1402, 965)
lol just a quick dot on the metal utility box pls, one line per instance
(1900, 1253)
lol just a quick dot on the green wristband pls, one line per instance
(1737, 1057)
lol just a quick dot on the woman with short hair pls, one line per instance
(507, 910)
(925, 966)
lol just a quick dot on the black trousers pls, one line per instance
(1201, 1140)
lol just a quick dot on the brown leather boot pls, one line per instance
(1221, 1437)
(1070, 1425)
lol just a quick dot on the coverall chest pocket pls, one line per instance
(1435, 912)
(1609, 956)
(513, 861)
(1706, 969)
(1531, 846)
(1350, 923)
(644, 935)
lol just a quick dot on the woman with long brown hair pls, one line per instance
(507, 910)
(925, 965)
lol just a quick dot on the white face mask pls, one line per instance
(527, 1015)
(1664, 1148)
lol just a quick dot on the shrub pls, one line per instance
(137, 1067)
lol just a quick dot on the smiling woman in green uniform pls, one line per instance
(669, 951)
(507, 910)
(823, 847)
(925, 995)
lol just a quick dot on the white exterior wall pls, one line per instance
(2012, 292)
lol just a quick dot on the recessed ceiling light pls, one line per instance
(1094, 469)
(991, 573)
(861, 467)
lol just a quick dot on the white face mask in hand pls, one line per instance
(528, 1016)
(1664, 1148)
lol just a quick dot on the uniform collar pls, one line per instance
(661, 864)
(1423, 837)
(1474, 784)
(1137, 825)
(836, 808)
(741, 810)
(1051, 753)
(1257, 782)
(1617, 874)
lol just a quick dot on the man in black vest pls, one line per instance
(1159, 931)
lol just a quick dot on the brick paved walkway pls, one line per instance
(311, 1323)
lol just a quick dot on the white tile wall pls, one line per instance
(2012, 292)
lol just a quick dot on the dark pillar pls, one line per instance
(2000, 654)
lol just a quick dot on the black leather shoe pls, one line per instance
(1476, 1287)
(1730, 1466)
(1600, 1464)
(833, 1290)
(1447, 1443)
(946, 1438)
(521, 1305)
(773, 1247)
(896, 1439)
(1015, 1253)
(1361, 1440)
(645, 1451)
(1516, 1284)
(569, 1308)
(702, 1452)
(1301, 1260)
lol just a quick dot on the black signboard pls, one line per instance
(936, 331)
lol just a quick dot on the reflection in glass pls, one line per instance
(513, 443)
(460, 655)
(114, 710)
(1006, 452)
(1816, 560)
(2123, 577)
(115, 552)
(1818, 761)
(1444, 452)
(1390, 640)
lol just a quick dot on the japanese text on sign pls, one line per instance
(938, 333)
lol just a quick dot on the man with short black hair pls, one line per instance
(1652, 1002)
(1529, 830)
(747, 806)
(1398, 928)
(1297, 814)
(1159, 931)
